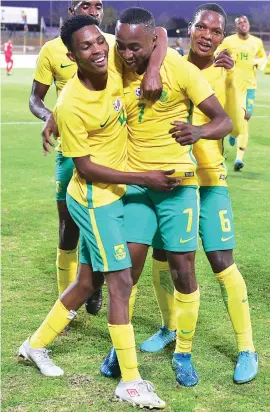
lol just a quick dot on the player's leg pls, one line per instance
(109, 253)
(217, 233)
(178, 223)
(164, 292)
(62, 313)
(242, 139)
(67, 256)
(140, 226)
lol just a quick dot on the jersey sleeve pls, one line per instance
(73, 133)
(194, 84)
(44, 72)
(261, 55)
(233, 106)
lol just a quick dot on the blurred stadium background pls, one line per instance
(29, 24)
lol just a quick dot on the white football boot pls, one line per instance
(40, 358)
(139, 393)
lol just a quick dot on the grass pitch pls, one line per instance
(29, 234)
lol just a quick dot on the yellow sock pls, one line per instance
(187, 310)
(242, 142)
(66, 264)
(124, 342)
(132, 301)
(58, 318)
(234, 294)
(164, 288)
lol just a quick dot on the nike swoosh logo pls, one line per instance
(104, 124)
(186, 332)
(244, 300)
(224, 239)
(186, 240)
(66, 65)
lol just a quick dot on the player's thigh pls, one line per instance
(216, 219)
(177, 213)
(250, 98)
(139, 216)
(63, 174)
(103, 242)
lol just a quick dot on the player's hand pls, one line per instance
(49, 129)
(151, 85)
(160, 180)
(224, 59)
(185, 133)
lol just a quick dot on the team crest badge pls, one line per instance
(120, 252)
(164, 97)
(138, 92)
(117, 105)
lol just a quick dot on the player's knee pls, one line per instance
(183, 272)
(120, 286)
(220, 260)
(159, 255)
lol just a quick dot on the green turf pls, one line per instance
(29, 237)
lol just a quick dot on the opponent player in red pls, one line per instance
(8, 51)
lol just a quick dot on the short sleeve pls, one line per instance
(44, 73)
(194, 84)
(73, 133)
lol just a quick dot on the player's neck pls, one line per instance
(92, 81)
(142, 68)
(243, 36)
(201, 62)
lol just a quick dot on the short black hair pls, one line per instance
(74, 24)
(211, 7)
(138, 15)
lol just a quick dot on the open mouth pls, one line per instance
(204, 47)
(130, 63)
(101, 61)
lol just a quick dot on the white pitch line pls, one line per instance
(13, 123)
(260, 117)
(261, 105)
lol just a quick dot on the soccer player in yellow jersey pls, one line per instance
(216, 219)
(54, 66)
(91, 118)
(151, 146)
(249, 54)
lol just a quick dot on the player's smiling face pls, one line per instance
(135, 44)
(206, 32)
(90, 50)
(89, 8)
(242, 25)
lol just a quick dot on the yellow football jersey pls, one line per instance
(151, 146)
(94, 123)
(211, 170)
(245, 54)
(53, 65)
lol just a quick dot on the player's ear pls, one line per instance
(189, 28)
(70, 56)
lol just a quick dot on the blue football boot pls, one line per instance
(184, 369)
(246, 367)
(110, 366)
(159, 340)
(238, 165)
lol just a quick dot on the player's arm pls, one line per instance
(75, 144)
(261, 57)
(43, 78)
(202, 96)
(218, 127)
(157, 179)
(151, 85)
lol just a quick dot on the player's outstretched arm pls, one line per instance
(151, 85)
(157, 179)
(219, 126)
(39, 109)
